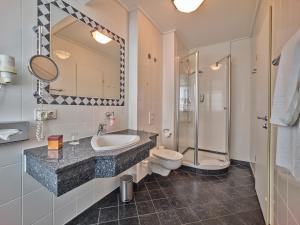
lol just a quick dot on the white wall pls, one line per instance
(173, 49)
(168, 91)
(240, 100)
(22, 199)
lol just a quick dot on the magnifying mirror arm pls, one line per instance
(39, 31)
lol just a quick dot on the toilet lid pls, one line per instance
(167, 154)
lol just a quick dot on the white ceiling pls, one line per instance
(215, 21)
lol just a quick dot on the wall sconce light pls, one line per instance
(7, 69)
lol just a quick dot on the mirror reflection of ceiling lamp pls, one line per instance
(100, 37)
(62, 54)
(187, 6)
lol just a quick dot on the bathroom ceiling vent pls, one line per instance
(187, 6)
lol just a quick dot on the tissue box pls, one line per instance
(23, 126)
(55, 142)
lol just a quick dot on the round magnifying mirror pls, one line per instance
(44, 68)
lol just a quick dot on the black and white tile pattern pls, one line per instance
(44, 20)
(182, 198)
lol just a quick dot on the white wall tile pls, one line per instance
(29, 183)
(10, 213)
(10, 154)
(47, 220)
(10, 177)
(36, 205)
(84, 201)
(65, 214)
(61, 201)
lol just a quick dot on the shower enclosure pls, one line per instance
(203, 112)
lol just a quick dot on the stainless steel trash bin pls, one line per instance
(126, 188)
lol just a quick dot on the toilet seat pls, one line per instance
(167, 154)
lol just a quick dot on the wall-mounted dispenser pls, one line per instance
(13, 131)
(7, 69)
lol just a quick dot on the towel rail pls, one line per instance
(276, 61)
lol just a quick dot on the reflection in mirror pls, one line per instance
(87, 67)
(43, 68)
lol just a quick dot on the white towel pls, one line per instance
(286, 107)
(288, 149)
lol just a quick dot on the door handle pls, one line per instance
(264, 118)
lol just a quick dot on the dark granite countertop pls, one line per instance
(74, 155)
(76, 165)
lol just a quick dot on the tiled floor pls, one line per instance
(182, 198)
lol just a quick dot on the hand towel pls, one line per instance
(286, 101)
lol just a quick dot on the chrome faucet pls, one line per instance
(101, 129)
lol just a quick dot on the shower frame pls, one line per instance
(196, 113)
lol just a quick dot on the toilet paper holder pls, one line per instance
(167, 133)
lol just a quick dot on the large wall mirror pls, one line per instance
(91, 58)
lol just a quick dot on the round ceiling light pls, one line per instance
(187, 6)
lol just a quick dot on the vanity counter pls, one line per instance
(78, 164)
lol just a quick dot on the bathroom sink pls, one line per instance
(113, 141)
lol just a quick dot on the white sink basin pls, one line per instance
(113, 141)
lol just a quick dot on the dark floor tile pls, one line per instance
(130, 221)
(88, 217)
(178, 202)
(200, 223)
(108, 201)
(241, 204)
(145, 207)
(210, 210)
(142, 196)
(161, 178)
(116, 222)
(246, 191)
(152, 185)
(108, 214)
(186, 215)
(182, 197)
(140, 187)
(165, 183)
(254, 217)
(169, 191)
(231, 220)
(126, 211)
(162, 204)
(156, 194)
(148, 178)
(150, 219)
(209, 222)
(168, 218)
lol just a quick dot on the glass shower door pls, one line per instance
(187, 140)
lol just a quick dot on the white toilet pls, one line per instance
(162, 160)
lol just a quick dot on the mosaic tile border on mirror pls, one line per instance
(44, 21)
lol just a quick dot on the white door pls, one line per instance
(261, 112)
